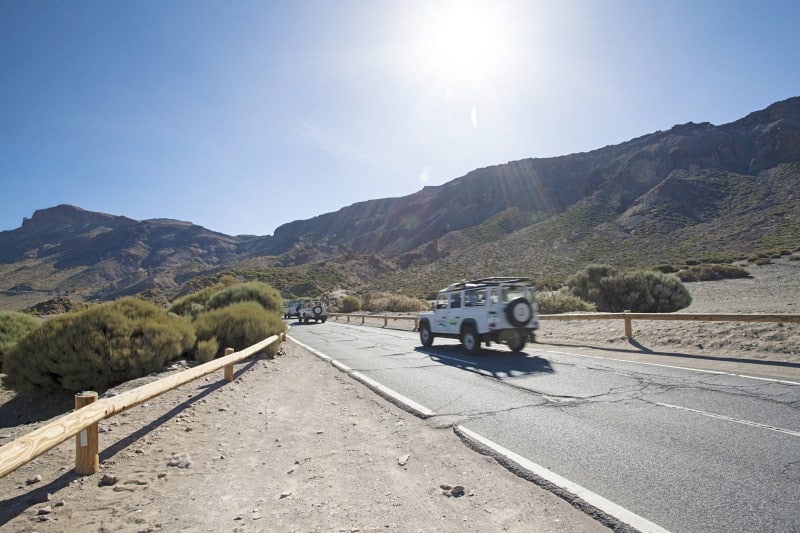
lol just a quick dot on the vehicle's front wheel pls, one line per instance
(425, 335)
(470, 340)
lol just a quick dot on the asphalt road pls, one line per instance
(687, 450)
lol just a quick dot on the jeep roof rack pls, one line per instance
(484, 282)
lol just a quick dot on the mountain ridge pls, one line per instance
(693, 189)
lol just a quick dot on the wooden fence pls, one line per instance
(626, 316)
(89, 411)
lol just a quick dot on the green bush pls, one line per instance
(393, 303)
(252, 291)
(13, 327)
(207, 350)
(794, 258)
(98, 347)
(191, 303)
(350, 304)
(238, 326)
(762, 261)
(712, 273)
(553, 303)
(666, 269)
(642, 291)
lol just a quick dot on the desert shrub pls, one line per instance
(13, 327)
(395, 303)
(238, 326)
(551, 303)
(350, 304)
(794, 258)
(56, 306)
(762, 261)
(252, 291)
(98, 347)
(585, 284)
(666, 269)
(642, 291)
(206, 350)
(189, 304)
(712, 273)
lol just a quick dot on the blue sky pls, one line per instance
(241, 116)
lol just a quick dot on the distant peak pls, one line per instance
(64, 214)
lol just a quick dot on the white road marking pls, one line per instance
(617, 511)
(729, 419)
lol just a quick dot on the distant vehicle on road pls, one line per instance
(315, 310)
(502, 310)
(291, 309)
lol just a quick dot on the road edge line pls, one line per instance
(594, 505)
(405, 403)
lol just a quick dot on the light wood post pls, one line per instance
(348, 319)
(362, 319)
(87, 441)
(628, 325)
(416, 323)
(229, 367)
(385, 321)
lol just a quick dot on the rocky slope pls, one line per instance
(695, 190)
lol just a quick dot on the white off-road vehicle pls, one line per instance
(291, 309)
(315, 310)
(486, 310)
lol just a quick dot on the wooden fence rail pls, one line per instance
(83, 421)
(626, 316)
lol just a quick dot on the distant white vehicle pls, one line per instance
(315, 310)
(486, 310)
(291, 309)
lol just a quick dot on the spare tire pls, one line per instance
(317, 310)
(519, 312)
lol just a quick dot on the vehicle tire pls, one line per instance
(425, 335)
(519, 312)
(516, 341)
(470, 340)
(317, 310)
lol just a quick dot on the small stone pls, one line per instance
(457, 491)
(33, 480)
(285, 494)
(445, 486)
(403, 459)
(60, 503)
(44, 510)
(255, 516)
(181, 460)
(108, 480)
(162, 475)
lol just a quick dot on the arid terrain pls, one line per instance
(295, 445)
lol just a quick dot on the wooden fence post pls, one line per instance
(385, 321)
(87, 441)
(416, 323)
(628, 325)
(362, 319)
(348, 319)
(229, 367)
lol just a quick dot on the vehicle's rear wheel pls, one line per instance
(470, 340)
(425, 335)
(515, 341)
(317, 310)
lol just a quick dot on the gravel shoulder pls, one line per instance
(292, 445)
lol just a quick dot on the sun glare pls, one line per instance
(462, 41)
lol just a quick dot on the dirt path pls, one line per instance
(291, 445)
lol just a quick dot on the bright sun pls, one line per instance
(461, 41)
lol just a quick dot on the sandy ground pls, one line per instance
(292, 445)
(295, 445)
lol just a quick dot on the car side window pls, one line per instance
(441, 301)
(455, 300)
